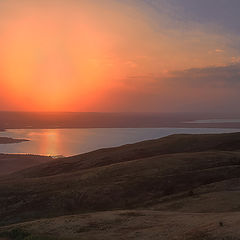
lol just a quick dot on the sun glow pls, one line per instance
(103, 55)
(51, 61)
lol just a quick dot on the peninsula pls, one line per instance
(6, 140)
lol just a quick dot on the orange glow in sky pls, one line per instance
(50, 63)
(91, 56)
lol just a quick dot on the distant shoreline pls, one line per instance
(24, 120)
(7, 140)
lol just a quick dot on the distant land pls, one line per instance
(20, 120)
(7, 140)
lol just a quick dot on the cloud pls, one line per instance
(210, 89)
(235, 60)
(219, 50)
(216, 76)
(227, 76)
(131, 64)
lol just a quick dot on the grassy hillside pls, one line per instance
(179, 143)
(133, 224)
(180, 173)
(10, 163)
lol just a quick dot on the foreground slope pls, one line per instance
(176, 173)
(132, 184)
(134, 224)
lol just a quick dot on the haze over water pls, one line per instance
(68, 142)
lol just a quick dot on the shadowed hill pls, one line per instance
(10, 163)
(179, 143)
(163, 174)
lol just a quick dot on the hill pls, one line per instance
(179, 177)
(10, 163)
(178, 143)
(133, 224)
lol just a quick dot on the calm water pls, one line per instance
(216, 121)
(74, 141)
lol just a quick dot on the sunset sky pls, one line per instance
(128, 55)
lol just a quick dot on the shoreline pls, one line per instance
(7, 140)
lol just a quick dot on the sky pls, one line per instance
(120, 56)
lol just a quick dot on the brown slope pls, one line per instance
(172, 144)
(132, 184)
(10, 163)
(135, 225)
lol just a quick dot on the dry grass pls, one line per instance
(179, 173)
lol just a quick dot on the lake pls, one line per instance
(68, 142)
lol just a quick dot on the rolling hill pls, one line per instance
(176, 178)
(10, 163)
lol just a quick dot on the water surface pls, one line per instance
(216, 121)
(68, 142)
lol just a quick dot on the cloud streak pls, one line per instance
(216, 76)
